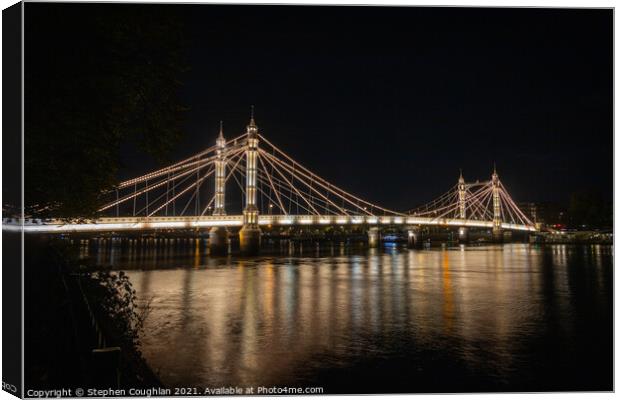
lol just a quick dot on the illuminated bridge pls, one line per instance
(275, 190)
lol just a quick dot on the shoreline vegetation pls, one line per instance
(82, 324)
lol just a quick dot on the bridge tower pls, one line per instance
(463, 232)
(249, 235)
(220, 174)
(218, 235)
(498, 234)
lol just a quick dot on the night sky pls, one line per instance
(389, 103)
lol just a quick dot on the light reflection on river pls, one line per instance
(511, 317)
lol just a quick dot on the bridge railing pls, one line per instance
(167, 223)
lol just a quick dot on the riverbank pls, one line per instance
(575, 237)
(71, 340)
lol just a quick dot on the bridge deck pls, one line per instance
(150, 223)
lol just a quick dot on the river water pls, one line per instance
(512, 317)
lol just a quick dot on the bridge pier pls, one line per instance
(498, 235)
(249, 240)
(373, 237)
(463, 235)
(415, 239)
(218, 241)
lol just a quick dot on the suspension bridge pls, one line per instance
(276, 190)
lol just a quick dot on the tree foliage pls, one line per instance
(117, 298)
(96, 76)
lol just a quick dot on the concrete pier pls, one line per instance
(463, 235)
(498, 236)
(249, 240)
(218, 241)
(415, 238)
(373, 237)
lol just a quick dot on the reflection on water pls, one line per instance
(511, 317)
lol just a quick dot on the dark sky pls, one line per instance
(389, 103)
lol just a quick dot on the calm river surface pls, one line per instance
(350, 319)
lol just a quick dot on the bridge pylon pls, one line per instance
(249, 235)
(218, 235)
(498, 232)
(462, 193)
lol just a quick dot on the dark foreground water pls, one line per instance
(513, 317)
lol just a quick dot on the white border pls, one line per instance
(461, 3)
